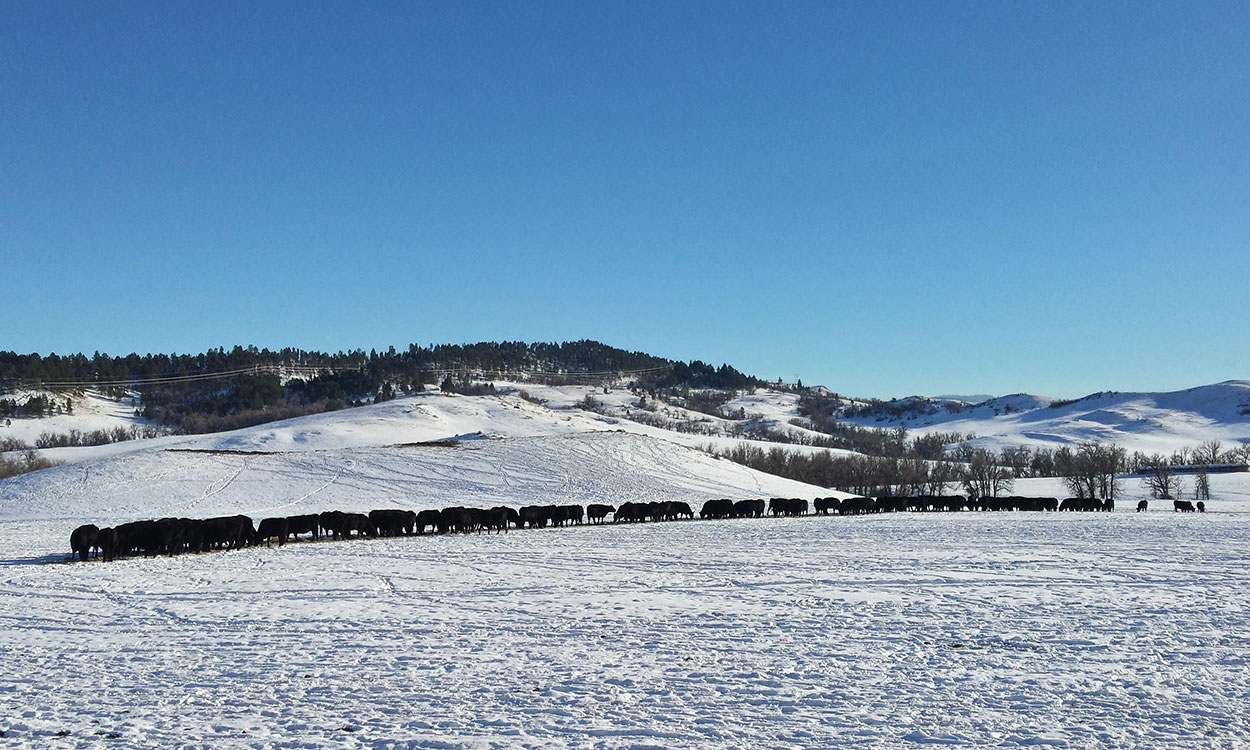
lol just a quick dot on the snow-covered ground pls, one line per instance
(901, 630)
(1146, 422)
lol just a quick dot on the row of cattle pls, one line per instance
(172, 536)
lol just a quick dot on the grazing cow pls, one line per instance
(82, 539)
(887, 505)
(854, 506)
(271, 528)
(429, 518)
(630, 512)
(106, 544)
(826, 505)
(787, 506)
(1182, 506)
(1142, 505)
(596, 512)
(225, 532)
(496, 518)
(341, 525)
(1202, 507)
(571, 514)
(672, 510)
(1072, 504)
(152, 537)
(749, 509)
(533, 516)
(1108, 505)
(303, 524)
(717, 509)
(393, 522)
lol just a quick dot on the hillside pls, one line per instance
(1146, 422)
(426, 450)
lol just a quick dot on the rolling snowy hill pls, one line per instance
(1146, 422)
(896, 631)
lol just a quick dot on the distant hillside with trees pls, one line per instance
(227, 389)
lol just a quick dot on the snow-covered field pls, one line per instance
(901, 630)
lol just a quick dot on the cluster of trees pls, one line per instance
(1164, 475)
(398, 367)
(869, 476)
(38, 405)
(1088, 470)
(226, 389)
(23, 462)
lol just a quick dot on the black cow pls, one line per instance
(497, 518)
(82, 540)
(826, 505)
(106, 544)
(748, 509)
(225, 532)
(151, 537)
(1202, 507)
(1142, 505)
(787, 506)
(341, 525)
(630, 512)
(303, 524)
(271, 528)
(595, 512)
(854, 506)
(717, 509)
(671, 510)
(429, 518)
(1182, 506)
(390, 522)
(532, 516)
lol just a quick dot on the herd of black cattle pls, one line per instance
(171, 536)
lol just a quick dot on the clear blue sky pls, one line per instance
(885, 198)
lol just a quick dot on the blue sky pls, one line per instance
(885, 198)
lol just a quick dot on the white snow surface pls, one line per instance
(1146, 422)
(901, 630)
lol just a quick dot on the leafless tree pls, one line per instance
(1092, 469)
(1202, 486)
(942, 474)
(1160, 479)
(984, 476)
(1017, 459)
(1210, 452)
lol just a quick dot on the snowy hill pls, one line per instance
(774, 632)
(1146, 422)
(428, 450)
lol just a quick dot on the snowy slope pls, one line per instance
(1146, 422)
(897, 631)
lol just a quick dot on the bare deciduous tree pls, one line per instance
(1202, 486)
(1160, 479)
(1210, 452)
(984, 476)
(1092, 469)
